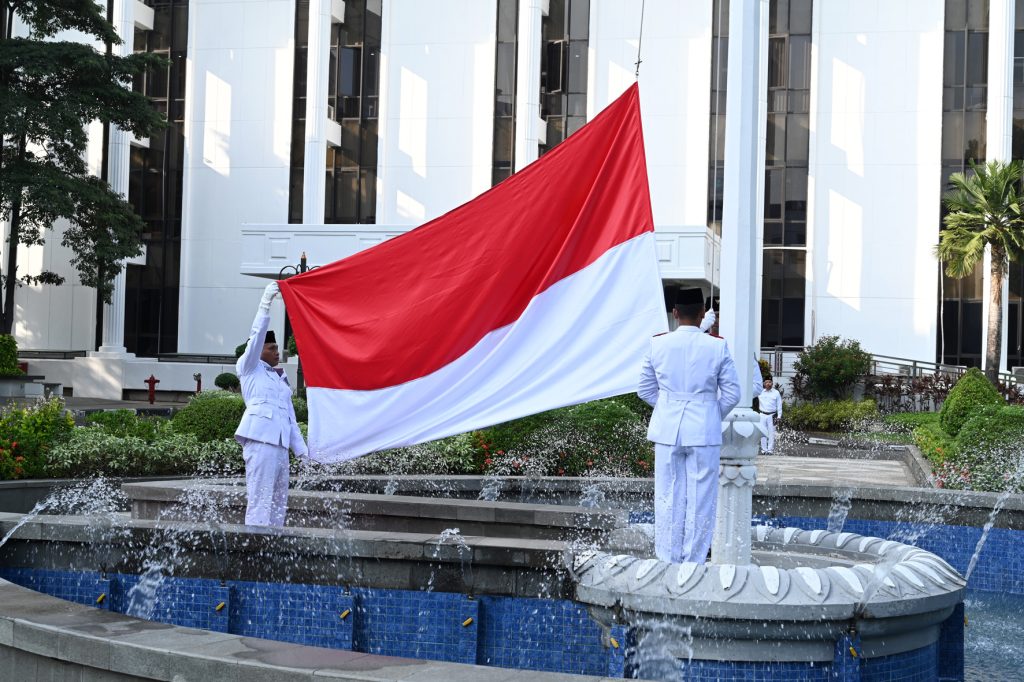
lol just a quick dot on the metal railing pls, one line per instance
(781, 359)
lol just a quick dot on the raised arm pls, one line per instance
(254, 346)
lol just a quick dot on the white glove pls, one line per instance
(709, 320)
(269, 293)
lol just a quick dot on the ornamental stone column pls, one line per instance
(118, 166)
(318, 56)
(746, 107)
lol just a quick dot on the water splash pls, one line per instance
(1011, 485)
(593, 496)
(38, 509)
(391, 487)
(491, 490)
(839, 510)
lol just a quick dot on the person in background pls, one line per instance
(690, 380)
(769, 404)
(268, 428)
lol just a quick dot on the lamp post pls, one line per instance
(286, 272)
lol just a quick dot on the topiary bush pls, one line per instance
(971, 392)
(830, 415)
(228, 382)
(211, 415)
(9, 356)
(240, 348)
(829, 369)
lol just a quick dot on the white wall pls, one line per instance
(437, 107)
(675, 94)
(874, 188)
(238, 120)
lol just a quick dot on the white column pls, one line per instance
(746, 107)
(528, 47)
(999, 138)
(317, 73)
(118, 166)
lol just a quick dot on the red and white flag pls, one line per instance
(540, 293)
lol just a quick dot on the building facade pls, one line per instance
(325, 127)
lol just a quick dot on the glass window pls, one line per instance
(952, 138)
(800, 16)
(956, 15)
(773, 193)
(977, 58)
(778, 16)
(954, 58)
(773, 233)
(577, 67)
(777, 63)
(796, 194)
(974, 136)
(800, 62)
(775, 153)
(579, 20)
(977, 15)
(797, 139)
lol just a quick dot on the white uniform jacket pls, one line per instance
(690, 379)
(269, 414)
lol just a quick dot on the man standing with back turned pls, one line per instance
(268, 428)
(690, 380)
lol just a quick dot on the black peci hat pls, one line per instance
(270, 338)
(690, 297)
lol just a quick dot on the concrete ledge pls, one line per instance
(42, 637)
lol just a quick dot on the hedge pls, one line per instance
(830, 415)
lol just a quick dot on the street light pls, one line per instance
(286, 272)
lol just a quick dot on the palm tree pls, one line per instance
(984, 210)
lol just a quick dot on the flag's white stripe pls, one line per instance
(582, 339)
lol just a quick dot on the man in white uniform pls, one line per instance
(268, 428)
(690, 380)
(769, 404)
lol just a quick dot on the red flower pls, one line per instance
(590, 462)
(487, 461)
(561, 472)
(501, 452)
(14, 445)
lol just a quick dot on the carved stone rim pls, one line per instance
(917, 581)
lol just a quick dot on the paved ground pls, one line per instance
(829, 471)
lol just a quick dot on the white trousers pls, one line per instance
(266, 483)
(768, 424)
(685, 497)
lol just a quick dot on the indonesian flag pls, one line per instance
(540, 293)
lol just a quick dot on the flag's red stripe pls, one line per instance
(409, 306)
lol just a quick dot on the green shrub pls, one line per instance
(453, 455)
(240, 348)
(29, 433)
(292, 347)
(123, 423)
(830, 368)
(906, 422)
(600, 437)
(93, 450)
(934, 443)
(227, 381)
(301, 409)
(211, 415)
(9, 356)
(971, 392)
(635, 404)
(830, 415)
(990, 449)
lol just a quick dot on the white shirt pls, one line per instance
(770, 401)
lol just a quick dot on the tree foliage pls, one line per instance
(829, 368)
(984, 210)
(50, 91)
(972, 392)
